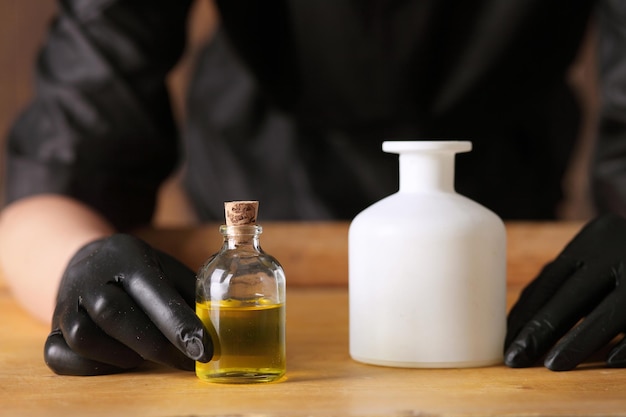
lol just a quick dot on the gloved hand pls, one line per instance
(586, 281)
(121, 302)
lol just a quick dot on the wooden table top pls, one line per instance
(321, 380)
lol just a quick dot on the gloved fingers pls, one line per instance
(148, 285)
(534, 297)
(87, 340)
(601, 326)
(577, 297)
(604, 236)
(170, 313)
(64, 361)
(617, 355)
(590, 245)
(119, 316)
(182, 278)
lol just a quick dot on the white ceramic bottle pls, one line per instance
(427, 269)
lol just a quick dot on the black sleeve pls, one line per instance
(100, 127)
(609, 159)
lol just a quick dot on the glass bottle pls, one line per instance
(240, 297)
(427, 269)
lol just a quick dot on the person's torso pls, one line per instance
(336, 78)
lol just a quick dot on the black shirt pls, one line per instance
(291, 100)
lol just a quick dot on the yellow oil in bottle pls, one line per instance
(248, 338)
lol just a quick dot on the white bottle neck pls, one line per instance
(427, 171)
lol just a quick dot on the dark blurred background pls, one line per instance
(23, 25)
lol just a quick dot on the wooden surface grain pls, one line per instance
(321, 380)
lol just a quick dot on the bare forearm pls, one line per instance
(38, 236)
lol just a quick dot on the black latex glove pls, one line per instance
(586, 281)
(122, 302)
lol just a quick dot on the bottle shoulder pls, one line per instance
(427, 211)
(240, 262)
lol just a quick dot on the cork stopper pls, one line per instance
(241, 213)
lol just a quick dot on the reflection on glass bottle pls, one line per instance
(240, 297)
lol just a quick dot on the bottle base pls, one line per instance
(432, 365)
(243, 376)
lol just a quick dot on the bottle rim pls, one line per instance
(427, 146)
